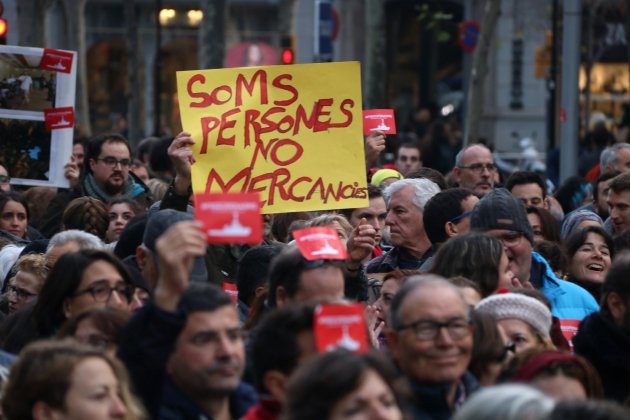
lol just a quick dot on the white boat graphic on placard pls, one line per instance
(346, 342)
(326, 250)
(234, 228)
(61, 123)
(382, 126)
(58, 66)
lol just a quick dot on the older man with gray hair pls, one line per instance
(405, 201)
(615, 157)
(431, 340)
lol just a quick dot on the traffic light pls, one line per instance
(287, 55)
(4, 26)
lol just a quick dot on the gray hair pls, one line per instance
(83, 239)
(506, 402)
(412, 284)
(459, 157)
(424, 190)
(609, 154)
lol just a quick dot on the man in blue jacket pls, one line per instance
(185, 350)
(503, 216)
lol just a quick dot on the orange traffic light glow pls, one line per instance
(4, 27)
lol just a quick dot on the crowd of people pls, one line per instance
(484, 298)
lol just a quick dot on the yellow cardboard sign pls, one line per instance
(293, 134)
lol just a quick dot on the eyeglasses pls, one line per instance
(21, 293)
(461, 217)
(511, 347)
(112, 161)
(457, 328)
(103, 293)
(4, 179)
(479, 167)
(510, 239)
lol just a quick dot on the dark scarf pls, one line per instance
(93, 190)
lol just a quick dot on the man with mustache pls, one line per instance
(107, 162)
(185, 350)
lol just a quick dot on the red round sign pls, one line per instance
(469, 35)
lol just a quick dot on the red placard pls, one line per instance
(231, 291)
(57, 118)
(379, 120)
(341, 326)
(56, 60)
(320, 243)
(230, 218)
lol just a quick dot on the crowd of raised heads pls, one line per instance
(477, 294)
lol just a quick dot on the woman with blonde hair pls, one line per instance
(67, 380)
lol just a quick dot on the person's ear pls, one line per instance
(616, 306)
(67, 310)
(141, 257)
(281, 296)
(276, 383)
(450, 228)
(456, 172)
(546, 203)
(42, 411)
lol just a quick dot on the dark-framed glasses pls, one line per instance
(112, 161)
(457, 328)
(479, 167)
(510, 238)
(103, 292)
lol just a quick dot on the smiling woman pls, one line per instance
(590, 252)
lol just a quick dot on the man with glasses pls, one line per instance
(107, 165)
(408, 158)
(431, 340)
(475, 169)
(502, 215)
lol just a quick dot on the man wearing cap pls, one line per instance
(474, 168)
(431, 340)
(504, 216)
(146, 256)
(405, 206)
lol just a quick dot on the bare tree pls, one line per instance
(474, 102)
(31, 14)
(212, 33)
(375, 66)
(133, 72)
(74, 11)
